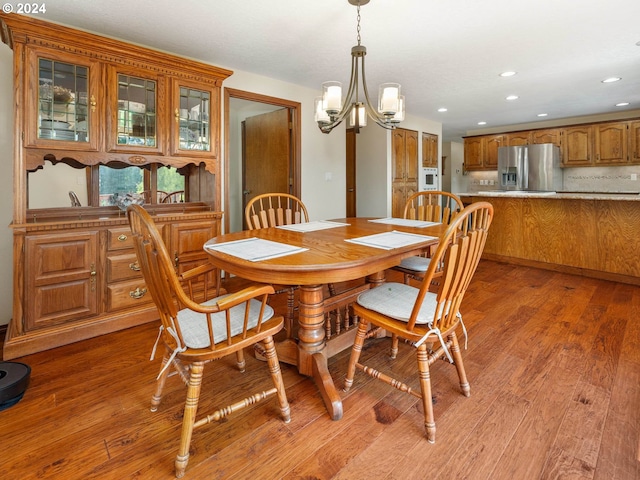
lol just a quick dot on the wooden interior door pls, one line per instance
(266, 155)
(351, 173)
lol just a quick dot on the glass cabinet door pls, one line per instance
(137, 98)
(62, 101)
(192, 135)
(63, 107)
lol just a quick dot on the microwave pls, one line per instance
(429, 179)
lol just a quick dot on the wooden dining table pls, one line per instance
(328, 257)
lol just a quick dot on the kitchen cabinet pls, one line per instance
(404, 146)
(634, 142)
(517, 139)
(611, 143)
(578, 146)
(60, 275)
(547, 135)
(481, 153)
(429, 150)
(103, 107)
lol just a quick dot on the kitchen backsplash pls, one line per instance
(576, 179)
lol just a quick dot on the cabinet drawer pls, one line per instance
(122, 267)
(119, 238)
(129, 294)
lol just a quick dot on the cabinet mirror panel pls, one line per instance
(62, 101)
(194, 114)
(62, 185)
(136, 111)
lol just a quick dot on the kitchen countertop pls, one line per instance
(626, 196)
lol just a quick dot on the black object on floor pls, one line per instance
(14, 380)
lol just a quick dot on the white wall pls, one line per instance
(6, 183)
(453, 179)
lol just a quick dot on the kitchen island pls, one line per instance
(591, 234)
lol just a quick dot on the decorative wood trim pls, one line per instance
(51, 35)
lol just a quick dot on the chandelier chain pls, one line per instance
(358, 28)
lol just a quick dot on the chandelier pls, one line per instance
(330, 109)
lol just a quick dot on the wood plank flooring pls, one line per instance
(553, 361)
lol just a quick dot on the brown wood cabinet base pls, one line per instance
(77, 279)
(590, 237)
(39, 340)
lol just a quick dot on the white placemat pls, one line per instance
(255, 249)
(405, 222)
(312, 226)
(391, 240)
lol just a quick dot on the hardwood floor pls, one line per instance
(553, 362)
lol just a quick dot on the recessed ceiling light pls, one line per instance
(482, 123)
(507, 74)
(611, 79)
(542, 114)
(622, 104)
(512, 97)
(442, 109)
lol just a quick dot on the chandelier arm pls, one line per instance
(373, 113)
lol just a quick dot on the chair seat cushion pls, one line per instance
(194, 325)
(415, 263)
(396, 300)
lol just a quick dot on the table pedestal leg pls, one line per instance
(312, 348)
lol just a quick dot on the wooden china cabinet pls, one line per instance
(103, 106)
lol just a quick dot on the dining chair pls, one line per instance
(431, 206)
(276, 209)
(273, 210)
(75, 201)
(176, 196)
(426, 320)
(195, 333)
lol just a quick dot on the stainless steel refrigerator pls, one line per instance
(530, 167)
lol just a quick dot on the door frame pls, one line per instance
(296, 150)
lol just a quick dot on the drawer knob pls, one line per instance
(122, 238)
(138, 293)
(134, 266)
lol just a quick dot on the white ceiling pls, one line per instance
(443, 53)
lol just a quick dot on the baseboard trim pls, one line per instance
(585, 272)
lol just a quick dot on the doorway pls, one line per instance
(239, 107)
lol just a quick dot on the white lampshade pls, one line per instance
(399, 116)
(320, 113)
(362, 115)
(332, 97)
(389, 98)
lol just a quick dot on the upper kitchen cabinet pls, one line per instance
(429, 150)
(517, 139)
(578, 146)
(634, 142)
(534, 137)
(547, 135)
(481, 153)
(611, 144)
